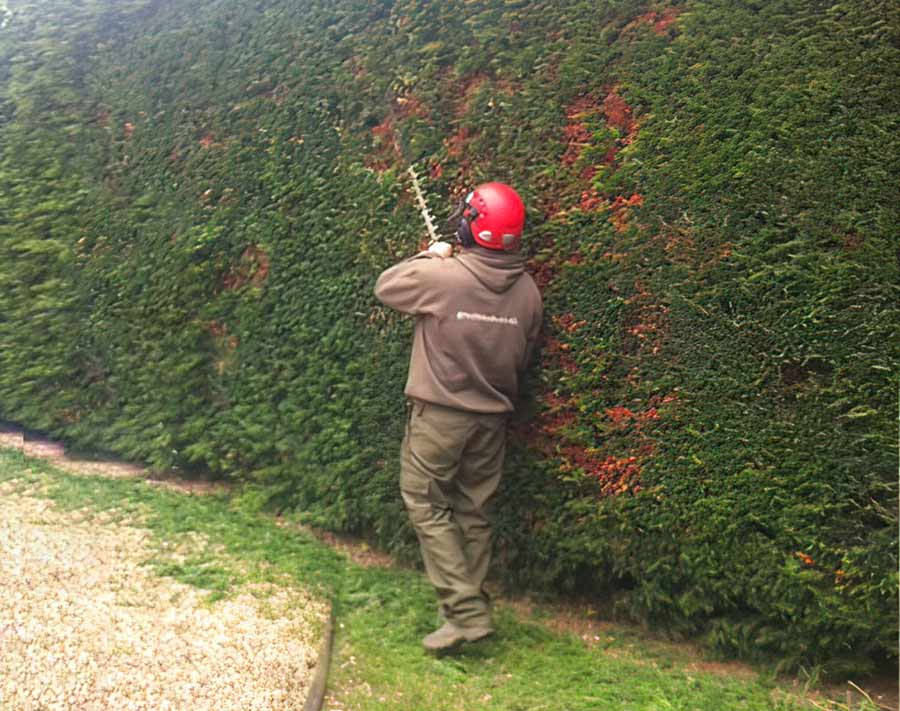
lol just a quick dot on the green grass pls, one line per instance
(383, 613)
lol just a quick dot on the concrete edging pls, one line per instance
(316, 695)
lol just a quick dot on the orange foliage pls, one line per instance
(253, 269)
(659, 22)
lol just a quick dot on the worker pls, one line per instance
(478, 317)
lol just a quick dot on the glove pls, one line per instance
(441, 249)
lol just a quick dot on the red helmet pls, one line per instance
(496, 216)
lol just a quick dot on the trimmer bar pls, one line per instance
(423, 207)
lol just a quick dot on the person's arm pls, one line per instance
(532, 345)
(524, 403)
(408, 286)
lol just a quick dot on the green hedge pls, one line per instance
(195, 202)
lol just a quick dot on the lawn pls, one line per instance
(382, 613)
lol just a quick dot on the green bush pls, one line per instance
(195, 203)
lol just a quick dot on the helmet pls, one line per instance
(493, 216)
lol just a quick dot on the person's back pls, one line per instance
(478, 318)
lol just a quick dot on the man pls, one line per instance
(478, 317)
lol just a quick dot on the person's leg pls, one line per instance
(432, 448)
(481, 468)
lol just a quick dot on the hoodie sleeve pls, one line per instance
(409, 287)
(532, 345)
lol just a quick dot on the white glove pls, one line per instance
(441, 249)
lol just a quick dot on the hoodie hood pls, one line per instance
(498, 271)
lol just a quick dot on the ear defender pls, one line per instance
(463, 216)
(464, 233)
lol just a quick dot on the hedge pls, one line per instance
(196, 199)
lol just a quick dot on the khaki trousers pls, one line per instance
(451, 464)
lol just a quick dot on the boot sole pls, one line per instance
(438, 651)
(478, 636)
(457, 643)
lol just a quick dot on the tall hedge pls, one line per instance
(196, 198)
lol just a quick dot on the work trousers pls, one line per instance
(451, 464)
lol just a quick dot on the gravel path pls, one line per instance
(83, 625)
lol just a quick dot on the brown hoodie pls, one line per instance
(478, 317)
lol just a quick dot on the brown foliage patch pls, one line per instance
(411, 106)
(618, 113)
(645, 326)
(577, 134)
(468, 86)
(542, 273)
(659, 22)
(620, 210)
(385, 153)
(852, 241)
(252, 269)
(456, 144)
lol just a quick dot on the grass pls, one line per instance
(383, 613)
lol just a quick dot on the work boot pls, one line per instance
(450, 636)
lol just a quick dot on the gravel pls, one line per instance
(84, 625)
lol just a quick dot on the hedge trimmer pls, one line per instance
(400, 145)
(423, 207)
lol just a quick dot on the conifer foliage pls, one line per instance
(196, 198)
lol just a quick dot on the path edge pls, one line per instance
(316, 696)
